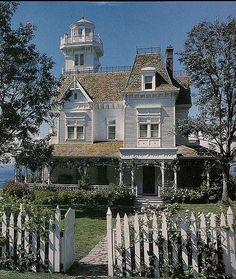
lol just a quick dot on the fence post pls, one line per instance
(183, 230)
(164, 233)
(109, 243)
(203, 234)
(230, 221)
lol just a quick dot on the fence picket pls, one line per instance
(109, 243)
(164, 231)
(11, 235)
(203, 234)
(127, 245)
(155, 246)
(146, 240)
(224, 244)
(231, 234)
(26, 238)
(51, 246)
(183, 231)
(137, 243)
(4, 231)
(193, 233)
(34, 247)
(119, 244)
(57, 231)
(42, 243)
(175, 244)
(19, 234)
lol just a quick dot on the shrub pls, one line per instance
(16, 189)
(116, 196)
(185, 195)
(232, 188)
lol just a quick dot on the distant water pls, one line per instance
(6, 173)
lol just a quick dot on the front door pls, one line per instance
(148, 180)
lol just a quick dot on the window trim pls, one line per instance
(79, 122)
(148, 121)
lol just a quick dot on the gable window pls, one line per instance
(76, 60)
(75, 129)
(75, 96)
(149, 127)
(148, 82)
(81, 59)
(111, 129)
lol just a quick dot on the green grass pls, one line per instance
(88, 233)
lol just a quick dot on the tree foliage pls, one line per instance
(27, 85)
(209, 57)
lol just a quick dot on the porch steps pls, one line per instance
(145, 200)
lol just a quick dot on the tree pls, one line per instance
(209, 57)
(27, 86)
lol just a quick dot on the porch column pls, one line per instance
(49, 175)
(26, 174)
(15, 173)
(121, 174)
(132, 180)
(175, 178)
(162, 174)
(85, 168)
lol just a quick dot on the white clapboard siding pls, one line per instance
(152, 227)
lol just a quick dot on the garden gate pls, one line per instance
(151, 244)
(46, 246)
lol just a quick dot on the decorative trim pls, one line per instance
(148, 153)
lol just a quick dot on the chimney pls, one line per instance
(169, 59)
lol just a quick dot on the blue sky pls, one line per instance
(121, 25)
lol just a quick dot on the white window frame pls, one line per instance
(78, 122)
(109, 124)
(148, 72)
(149, 120)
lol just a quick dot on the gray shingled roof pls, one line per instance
(99, 86)
(148, 60)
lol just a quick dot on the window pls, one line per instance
(80, 32)
(70, 132)
(75, 129)
(75, 96)
(149, 127)
(81, 59)
(87, 31)
(76, 59)
(111, 129)
(80, 132)
(143, 130)
(148, 82)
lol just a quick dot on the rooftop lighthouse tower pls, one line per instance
(82, 48)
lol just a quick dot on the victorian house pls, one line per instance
(117, 124)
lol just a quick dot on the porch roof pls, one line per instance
(98, 149)
(198, 152)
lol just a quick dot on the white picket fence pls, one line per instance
(141, 243)
(51, 247)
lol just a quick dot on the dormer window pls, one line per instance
(148, 82)
(148, 78)
(76, 59)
